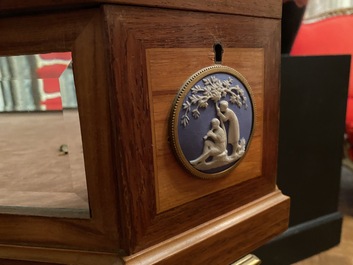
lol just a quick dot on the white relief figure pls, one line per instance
(215, 145)
(227, 115)
(215, 152)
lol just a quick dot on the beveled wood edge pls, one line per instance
(58, 256)
(208, 231)
(237, 7)
(272, 94)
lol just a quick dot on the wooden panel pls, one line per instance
(72, 31)
(41, 34)
(167, 71)
(222, 240)
(258, 8)
(131, 32)
(48, 256)
(18, 262)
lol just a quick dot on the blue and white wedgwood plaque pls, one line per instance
(212, 121)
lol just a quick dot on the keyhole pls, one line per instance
(218, 52)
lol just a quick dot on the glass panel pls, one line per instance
(41, 157)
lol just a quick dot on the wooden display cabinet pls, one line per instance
(130, 58)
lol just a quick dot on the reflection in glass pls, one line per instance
(41, 157)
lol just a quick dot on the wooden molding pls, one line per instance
(270, 9)
(222, 238)
(57, 256)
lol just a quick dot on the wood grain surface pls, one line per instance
(81, 33)
(214, 242)
(271, 9)
(167, 71)
(201, 245)
(26, 255)
(131, 32)
(114, 100)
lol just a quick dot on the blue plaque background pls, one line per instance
(191, 137)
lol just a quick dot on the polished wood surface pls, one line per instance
(199, 245)
(42, 33)
(215, 241)
(17, 254)
(110, 47)
(17, 262)
(72, 31)
(133, 33)
(169, 64)
(271, 8)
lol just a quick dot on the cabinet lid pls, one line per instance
(257, 8)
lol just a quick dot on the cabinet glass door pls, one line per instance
(41, 156)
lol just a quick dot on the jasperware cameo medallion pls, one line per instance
(211, 121)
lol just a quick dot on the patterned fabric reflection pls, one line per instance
(40, 82)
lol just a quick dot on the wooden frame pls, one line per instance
(132, 31)
(269, 9)
(81, 33)
(114, 50)
(169, 63)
